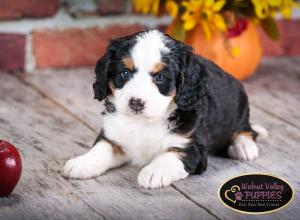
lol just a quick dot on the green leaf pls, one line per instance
(270, 27)
(178, 32)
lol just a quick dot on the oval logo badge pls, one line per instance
(256, 193)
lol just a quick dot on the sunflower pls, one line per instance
(287, 6)
(204, 12)
(265, 8)
(268, 8)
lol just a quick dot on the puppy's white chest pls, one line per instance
(142, 140)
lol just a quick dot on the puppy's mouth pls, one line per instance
(139, 115)
(137, 112)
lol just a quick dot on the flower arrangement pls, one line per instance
(227, 16)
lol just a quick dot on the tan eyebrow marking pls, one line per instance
(157, 67)
(128, 62)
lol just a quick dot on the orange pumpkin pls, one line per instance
(217, 49)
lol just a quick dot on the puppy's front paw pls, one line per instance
(162, 172)
(83, 167)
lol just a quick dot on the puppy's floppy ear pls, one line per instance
(191, 86)
(101, 89)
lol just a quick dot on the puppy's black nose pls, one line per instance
(136, 104)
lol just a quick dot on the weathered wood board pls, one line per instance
(275, 89)
(73, 90)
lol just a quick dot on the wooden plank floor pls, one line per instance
(51, 117)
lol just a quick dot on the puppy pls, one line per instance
(166, 109)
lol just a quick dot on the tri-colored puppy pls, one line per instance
(166, 109)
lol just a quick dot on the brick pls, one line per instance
(288, 43)
(12, 51)
(108, 7)
(74, 47)
(13, 9)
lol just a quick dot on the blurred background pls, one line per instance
(37, 34)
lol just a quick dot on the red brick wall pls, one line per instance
(74, 47)
(14, 9)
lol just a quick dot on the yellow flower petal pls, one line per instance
(138, 6)
(185, 4)
(261, 8)
(260, 11)
(146, 6)
(155, 7)
(194, 3)
(218, 5)
(189, 24)
(219, 22)
(206, 30)
(286, 12)
(274, 3)
(172, 8)
(186, 15)
(209, 3)
(206, 14)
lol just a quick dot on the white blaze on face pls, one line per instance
(147, 50)
(145, 54)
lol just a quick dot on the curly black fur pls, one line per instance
(212, 106)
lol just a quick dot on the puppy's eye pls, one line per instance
(159, 78)
(125, 75)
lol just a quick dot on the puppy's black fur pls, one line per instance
(212, 105)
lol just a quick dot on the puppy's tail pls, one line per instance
(261, 131)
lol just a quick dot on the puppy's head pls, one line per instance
(144, 73)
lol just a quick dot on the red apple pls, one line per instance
(10, 168)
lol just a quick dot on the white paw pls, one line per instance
(243, 148)
(83, 167)
(162, 172)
